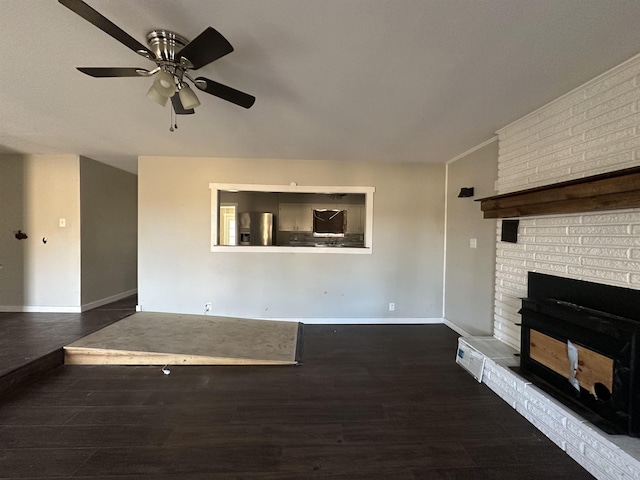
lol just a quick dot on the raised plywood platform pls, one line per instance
(148, 338)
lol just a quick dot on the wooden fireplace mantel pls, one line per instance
(608, 191)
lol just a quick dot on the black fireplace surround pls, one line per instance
(602, 318)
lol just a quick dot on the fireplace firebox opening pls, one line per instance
(579, 342)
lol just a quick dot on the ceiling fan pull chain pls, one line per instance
(175, 117)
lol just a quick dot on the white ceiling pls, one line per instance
(352, 80)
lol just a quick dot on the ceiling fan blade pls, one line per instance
(226, 93)
(210, 45)
(178, 108)
(107, 26)
(104, 72)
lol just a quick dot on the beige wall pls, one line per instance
(63, 275)
(42, 275)
(179, 273)
(109, 221)
(470, 272)
(12, 219)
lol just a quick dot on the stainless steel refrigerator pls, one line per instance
(255, 228)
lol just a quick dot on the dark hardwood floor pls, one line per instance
(31, 343)
(369, 402)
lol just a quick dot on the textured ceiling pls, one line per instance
(352, 80)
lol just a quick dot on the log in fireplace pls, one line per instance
(579, 342)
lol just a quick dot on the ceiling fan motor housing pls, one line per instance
(165, 44)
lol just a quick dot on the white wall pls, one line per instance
(109, 205)
(179, 273)
(43, 276)
(591, 130)
(470, 272)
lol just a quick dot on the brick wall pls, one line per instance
(593, 129)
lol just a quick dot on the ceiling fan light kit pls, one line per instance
(164, 84)
(174, 56)
(188, 97)
(156, 96)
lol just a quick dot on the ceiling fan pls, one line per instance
(174, 58)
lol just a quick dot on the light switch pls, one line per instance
(473, 243)
(62, 222)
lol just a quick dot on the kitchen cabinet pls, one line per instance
(295, 217)
(355, 219)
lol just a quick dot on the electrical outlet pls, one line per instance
(392, 307)
(208, 306)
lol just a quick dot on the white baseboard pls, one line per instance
(10, 308)
(461, 331)
(358, 321)
(40, 309)
(67, 309)
(336, 321)
(112, 298)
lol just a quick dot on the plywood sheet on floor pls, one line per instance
(149, 338)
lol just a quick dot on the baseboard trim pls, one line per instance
(456, 328)
(10, 308)
(104, 301)
(39, 309)
(359, 321)
(67, 309)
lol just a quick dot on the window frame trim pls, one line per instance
(368, 192)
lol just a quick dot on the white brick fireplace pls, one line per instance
(593, 129)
